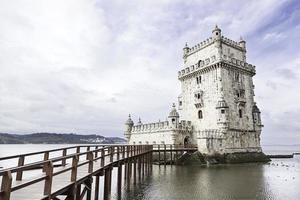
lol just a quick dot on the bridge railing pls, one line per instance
(113, 152)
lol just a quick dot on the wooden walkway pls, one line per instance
(76, 173)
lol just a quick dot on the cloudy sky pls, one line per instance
(83, 65)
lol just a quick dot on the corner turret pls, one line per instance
(128, 127)
(256, 118)
(186, 50)
(223, 112)
(216, 33)
(242, 43)
(173, 117)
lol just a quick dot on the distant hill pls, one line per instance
(55, 138)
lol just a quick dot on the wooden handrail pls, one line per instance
(48, 167)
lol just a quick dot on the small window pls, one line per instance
(180, 103)
(140, 142)
(197, 80)
(240, 113)
(173, 120)
(222, 111)
(200, 116)
(217, 33)
(200, 79)
(154, 142)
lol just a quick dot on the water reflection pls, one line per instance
(244, 181)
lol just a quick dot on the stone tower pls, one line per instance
(218, 96)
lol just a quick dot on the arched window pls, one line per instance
(199, 62)
(200, 116)
(240, 113)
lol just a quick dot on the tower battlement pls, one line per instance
(211, 63)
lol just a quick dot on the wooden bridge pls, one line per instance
(74, 172)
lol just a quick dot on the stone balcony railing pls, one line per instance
(209, 41)
(159, 126)
(211, 61)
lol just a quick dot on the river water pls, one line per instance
(279, 179)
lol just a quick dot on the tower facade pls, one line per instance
(216, 107)
(218, 96)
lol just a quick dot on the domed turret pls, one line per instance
(216, 33)
(139, 122)
(128, 127)
(242, 43)
(173, 112)
(186, 50)
(173, 116)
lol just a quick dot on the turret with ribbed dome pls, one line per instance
(128, 127)
(173, 117)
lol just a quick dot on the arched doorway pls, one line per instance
(187, 141)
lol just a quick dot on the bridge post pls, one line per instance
(128, 173)
(107, 183)
(143, 166)
(102, 156)
(6, 186)
(74, 169)
(159, 154)
(139, 168)
(87, 149)
(171, 149)
(127, 151)
(63, 161)
(96, 152)
(119, 180)
(125, 170)
(123, 151)
(112, 153)
(89, 188)
(118, 153)
(97, 185)
(165, 159)
(46, 157)
(20, 172)
(91, 162)
(134, 170)
(49, 178)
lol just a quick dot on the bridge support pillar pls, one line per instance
(119, 181)
(107, 184)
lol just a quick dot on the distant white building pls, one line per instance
(217, 111)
